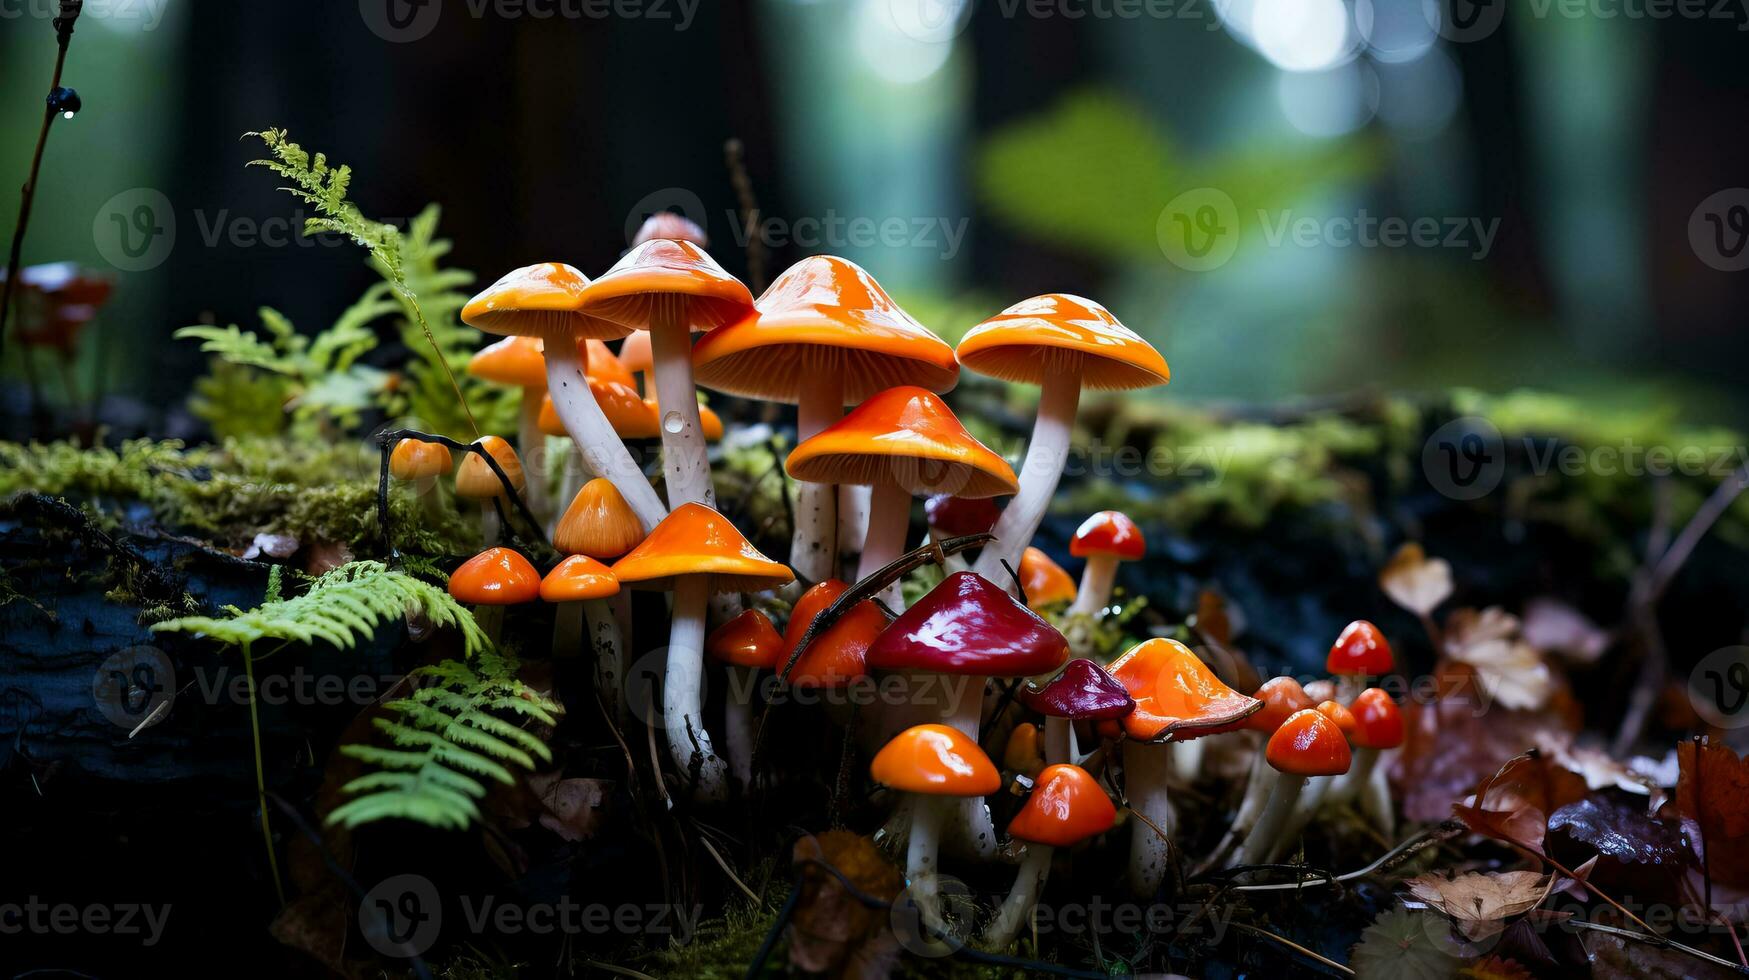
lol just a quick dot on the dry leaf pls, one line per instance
(575, 808)
(1497, 968)
(1513, 805)
(1416, 582)
(830, 931)
(1599, 769)
(1481, 902)
(1712, 793)
(1552, 625)
(1511, 671)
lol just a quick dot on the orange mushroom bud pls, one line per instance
(495, 577)
(1309, 743)
(578, 578)
(474, 480)
(415, 459)
(598, 523)
(748, 640)
(1044, 581)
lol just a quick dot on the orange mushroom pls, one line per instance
(516, 362)
(634, 355)
(1360, 651)
(937, 765)
(474, 480)
(1378, 727)
(837, 657)
(1281, 697)
(695, 551)
(1045, 583)
(1062, 343)
(1105, 539)
(599, 524)
(1066, 807)
(745, 645)
(421, 463)
(672, 288)
(824, 335)
(491, 580)
(545, 301)
(1307, 744)
(904, 442)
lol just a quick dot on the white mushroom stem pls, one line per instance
(567, 629)
(1147, 769)
(889, 517)
(684, 462)
(1096, 582)
(1045, 456)
(607, 455)
(1348, 785)
(569, 484)
(923, 859)
(533, 444)
(738, 721)
(1017, 908)
(1059, 740)
(620, 608)
(973, 832)
(605, 639)
(682, 712)
(1257, 786)
(1375, 798)
(1269, 833)
(853, 504)
(490, 525)
(1187, 759)
(813, 547)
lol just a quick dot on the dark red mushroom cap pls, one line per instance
(957, 516)
(1082, 692)
(966, 625)
(1360, 650)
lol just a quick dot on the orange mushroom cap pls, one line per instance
(838, 656)
(1281, 697)
(1067, 806)
(542, 300)
(935, 760)
(695, 540)
(907, 435)
(824, 315)
(1361, 650)
(1108, 532)
(512, 361)
(415, 459)
(1308, 744)
(598, 523)
(495, 577)
(630, 416)
(667, 276)
(601, 364)
(1021, 752)
(577, 578)
(635, 354)
(1343, 718)
(748, 640)
(1035, 337)
(1177, 696)
(1045, 582)
(474, 480)
(1378, 720)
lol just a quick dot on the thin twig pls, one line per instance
(1656, 940)
(1703, 520)
(385, 445)
(1296, 947)
(702, 839)
(735, 155)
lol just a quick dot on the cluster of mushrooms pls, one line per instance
(825, 336)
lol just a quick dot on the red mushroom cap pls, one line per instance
(836, 657)
(1378, 722)
(1108, 532)
(1336, 712)
(1281, 697)
(748, 640)
(1082, 692)
(1067, 806)
(1361, 650)
(957, 516)
(966, 625)
(1308, 744)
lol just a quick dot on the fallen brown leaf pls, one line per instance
(1481, 902)
(1513, 805)
(831, 931)
(1712, 793)
(1416, 582)
(1511, 670)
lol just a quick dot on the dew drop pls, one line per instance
(673, 422)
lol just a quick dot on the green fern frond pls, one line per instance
(447, 740)
(340, 606)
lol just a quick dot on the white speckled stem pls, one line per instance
(684, 460)
(532, 443)
(853, 503)
(813, 548)
(1267, 837)
(1096, 583)
(971, 831)
(590, 430)
(1146, 771)
(1016, 909)
(1045, 456)
(682, 683)
(923, 858)
(889, 517)
(738, 722)
(605, 640)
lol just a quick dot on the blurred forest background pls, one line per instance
(1025, 149)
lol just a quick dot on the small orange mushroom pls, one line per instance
(745, 645)
(938, 765)
(1105, 539)
(1307, 744)
(1044, 581)
(491, 580)
(1066, 807)
(474, 480)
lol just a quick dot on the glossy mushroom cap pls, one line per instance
(413, 459)
(1108, 532)
(600, 363)
(542, 300)
(1323, 689)
(577, 578)
(909, 436)
(1177, 696)
(1361, 650)
(667, 276)
(474, 480)
(824, 314)
(1066, 807)
(1082, 692)
(513, 361)
(671, 225)
(966, 625)
(1343, 718)
(1045, 582)
(635, 355)
(1037, 336)
(839, 655)
(598, 523)
(937, 761)
(956, 516)
(1022, 752)
(1308, 744)
(695, 540)
(1378, 722)
(748, 640)
(495, 577)
(1281, 697)
(630, 416)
